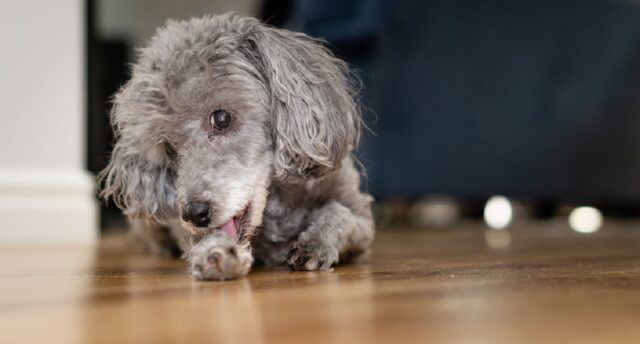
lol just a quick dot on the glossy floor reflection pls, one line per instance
(535, 283)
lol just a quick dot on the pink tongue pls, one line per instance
(230, 227)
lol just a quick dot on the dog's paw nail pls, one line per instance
(312, 264)
(197, 268)
(300, 261)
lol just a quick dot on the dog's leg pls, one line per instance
(150, 236)
(335, 233)
(219, 257)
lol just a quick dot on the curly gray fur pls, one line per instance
(287, 156)
(308, 86)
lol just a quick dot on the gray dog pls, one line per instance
(234, 141)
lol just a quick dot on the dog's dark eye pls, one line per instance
(220, 119)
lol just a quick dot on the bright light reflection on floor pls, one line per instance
(498, 240)
(434, 212)
(498, 212)
(585, 219)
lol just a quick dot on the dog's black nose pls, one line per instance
(197, 213)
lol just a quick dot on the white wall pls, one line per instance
(45, 194)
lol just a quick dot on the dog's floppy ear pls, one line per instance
(138, 178)
(315, 117)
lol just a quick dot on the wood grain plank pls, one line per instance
(535, 283)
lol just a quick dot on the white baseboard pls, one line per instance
(47, 206)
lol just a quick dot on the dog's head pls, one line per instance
(215, 109)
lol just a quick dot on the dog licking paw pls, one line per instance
(219, 258)
(232, 133)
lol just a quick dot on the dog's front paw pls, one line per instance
(219, 259)
(312, 254)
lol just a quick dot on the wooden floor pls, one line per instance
(533, 284)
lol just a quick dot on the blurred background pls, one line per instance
(496, 110)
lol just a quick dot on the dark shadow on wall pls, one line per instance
(495, 97)
(107, 70)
